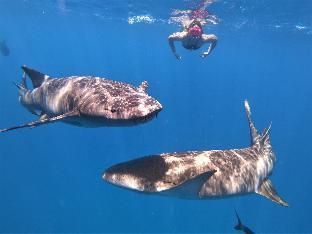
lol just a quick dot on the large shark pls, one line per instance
(203, 174)
(85, 101)
(4, 49)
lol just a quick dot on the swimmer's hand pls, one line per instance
(205, 54)
(177, 56)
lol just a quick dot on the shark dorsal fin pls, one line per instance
(267, 190)
(253, 131)
(36, 77)
(143, 86)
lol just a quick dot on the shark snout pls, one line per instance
(122, 179)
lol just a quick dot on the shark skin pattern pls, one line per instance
(203, 174)
(85, 101)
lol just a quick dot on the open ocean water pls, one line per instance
(50, 176)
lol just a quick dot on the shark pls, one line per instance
(240, 226)
(203, 174)
(84, 101)
(4, 49)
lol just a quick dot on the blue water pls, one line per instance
(50, 176)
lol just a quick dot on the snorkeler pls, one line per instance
(192, 36)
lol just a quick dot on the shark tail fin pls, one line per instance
(267, 190)
(24, 82)
(36, 77)
(265, 137)
(253, 131)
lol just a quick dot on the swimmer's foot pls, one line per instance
(205, 54)
(178, 56)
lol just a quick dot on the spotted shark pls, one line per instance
(84, 101)
(203, 174)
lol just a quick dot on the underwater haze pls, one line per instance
(50, 176)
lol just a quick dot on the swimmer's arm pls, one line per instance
(179, 36)
(212, 39)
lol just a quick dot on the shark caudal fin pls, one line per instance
(267, 190)
(36, 77)
(253, 131)
(262, 140)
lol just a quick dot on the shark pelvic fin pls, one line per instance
(143, 86)
(43, 121)
(267, 190)
(253, 131)
(36, 77)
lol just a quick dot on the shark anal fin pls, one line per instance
(191, 187)
(43, 120)
(267, 190)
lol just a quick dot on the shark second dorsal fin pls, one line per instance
(253, 131)
(36, 77)
(267, 190)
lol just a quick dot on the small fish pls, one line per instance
(203, 174)
(85, 101)
(240, 226)
(4, 49)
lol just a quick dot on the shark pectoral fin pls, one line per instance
(43, 120)
(190, 187)
(266, 189)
